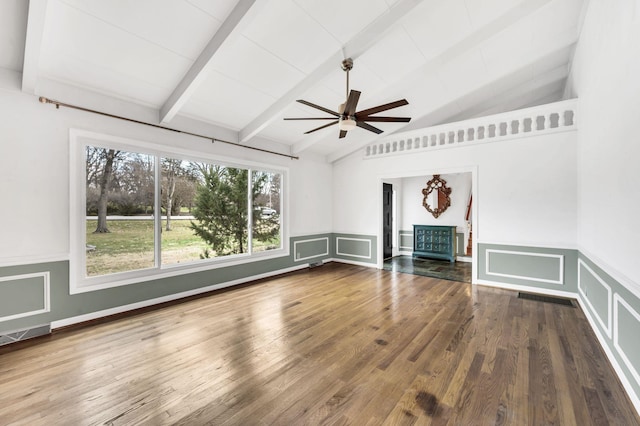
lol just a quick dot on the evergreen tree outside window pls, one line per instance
(220, 212)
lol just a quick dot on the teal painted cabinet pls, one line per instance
(436, 242)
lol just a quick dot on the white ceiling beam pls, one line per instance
(355, 47)
(35, 30)
(239, 17)
(444, 112)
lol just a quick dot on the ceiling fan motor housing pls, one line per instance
(347, 64)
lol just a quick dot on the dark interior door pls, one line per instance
(387, 228)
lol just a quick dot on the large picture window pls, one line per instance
(143, 212)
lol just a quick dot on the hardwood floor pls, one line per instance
(337, 344)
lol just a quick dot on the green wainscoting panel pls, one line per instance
(461, 245)
(516, 264)
(622, 339)
(405, 240)
(628, 336)
(356, 248)
(308, 249)
(597, 293)
(23, 295)
(55, 275)
(546, 268)
(64, 305)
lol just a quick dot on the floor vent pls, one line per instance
(547, 299)
(315, 264)
(28, 333)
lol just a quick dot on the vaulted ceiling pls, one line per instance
(240, 65)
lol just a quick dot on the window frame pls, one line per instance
(80, 283)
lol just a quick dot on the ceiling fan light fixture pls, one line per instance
(347, 123)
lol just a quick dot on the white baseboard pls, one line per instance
(352, 262)
(538, 290)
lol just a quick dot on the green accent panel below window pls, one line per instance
(65, 305)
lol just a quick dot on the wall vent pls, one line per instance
(547, 299)
(27, 333)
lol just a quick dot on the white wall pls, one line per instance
(605, 75)
(413, 211)
(526, 188)
(34, 170)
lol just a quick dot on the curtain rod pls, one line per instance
(58, 104)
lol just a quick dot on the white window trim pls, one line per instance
(79, 283)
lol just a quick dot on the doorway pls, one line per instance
(406, 202)
(387, 220)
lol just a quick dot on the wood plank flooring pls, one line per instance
(338, 344)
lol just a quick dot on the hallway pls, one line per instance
(457, 271)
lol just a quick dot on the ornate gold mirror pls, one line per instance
(436, 196)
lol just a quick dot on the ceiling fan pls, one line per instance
(347, 118)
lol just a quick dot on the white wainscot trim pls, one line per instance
(353, 239)
(46, 294)
(295, 249)
(559, 281)
(623, 279)
(606, 326)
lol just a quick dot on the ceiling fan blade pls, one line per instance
(385, 119)
(381, 108)
(321, 127)
(310, 118)
(343, 133)
(352, 102)
(328, 111)
(368, 127)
